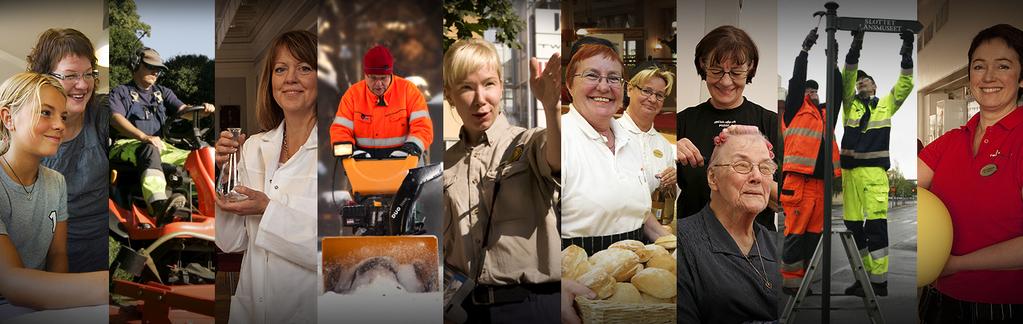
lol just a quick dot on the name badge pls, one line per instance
(988, 170)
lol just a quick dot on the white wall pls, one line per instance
(22, 22)
(758, 18)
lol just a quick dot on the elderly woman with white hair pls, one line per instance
(728, 269)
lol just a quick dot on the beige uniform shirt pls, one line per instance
(524, 246)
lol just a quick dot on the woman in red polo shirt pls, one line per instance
(977, 171)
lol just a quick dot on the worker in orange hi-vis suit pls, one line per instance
(804, 174)
(383, 115)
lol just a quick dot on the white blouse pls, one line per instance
(658, 154)
(278, 272)
(602, 193)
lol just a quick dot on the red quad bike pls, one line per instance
(171, 266)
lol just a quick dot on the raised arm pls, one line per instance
(797, 84)
(546, 87)
(904, 86)
(852, 60)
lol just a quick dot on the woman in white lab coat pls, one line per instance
(276, 225)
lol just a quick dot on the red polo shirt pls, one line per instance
(985, 210)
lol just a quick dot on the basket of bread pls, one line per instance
(634, 283)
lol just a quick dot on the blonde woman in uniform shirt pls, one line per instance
(500, 190)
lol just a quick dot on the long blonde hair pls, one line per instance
(17, 92)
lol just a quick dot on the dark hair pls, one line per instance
(1012, 36)
(860, 75)
(590, 40)
(811, 84)
(726, 42)
(56, 43)
(302, 45)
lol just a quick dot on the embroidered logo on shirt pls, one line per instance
(658, 154)
(516, 154)
(53, 221)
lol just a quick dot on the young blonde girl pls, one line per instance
(33, 201)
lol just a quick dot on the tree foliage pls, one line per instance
(899, 186)
(191, 78)
(470, 18)
(125, 29)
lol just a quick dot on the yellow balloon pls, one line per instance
(934, 237)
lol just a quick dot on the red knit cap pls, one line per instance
(378, 61)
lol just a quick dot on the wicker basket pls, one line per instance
(602, 311)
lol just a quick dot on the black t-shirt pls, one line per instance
(700, 124)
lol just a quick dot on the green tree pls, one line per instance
(125, 29)
(899, 185)
(190, 76)
(470, 18)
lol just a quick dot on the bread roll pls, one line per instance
(625, 276)
(663, 261)
(574, 262)
(619, 263)
(626, 293)
(649, 251)
(656, 282)
(667, 241)
(631, 245)
(599, 281)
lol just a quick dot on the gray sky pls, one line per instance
(879, 57)
(179, 27)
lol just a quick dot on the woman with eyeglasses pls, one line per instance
(727, 266)
(68, 55)
(648, 89)
(726, 58)
(605, 195)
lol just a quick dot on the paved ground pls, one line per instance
(900, 304)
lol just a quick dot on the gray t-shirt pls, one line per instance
(30, 220)
(84, 163)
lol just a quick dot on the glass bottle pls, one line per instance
(229, 173)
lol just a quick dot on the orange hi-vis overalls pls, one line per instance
(362, 121)
(802, 195)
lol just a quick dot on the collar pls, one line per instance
(621, 135)
(270, 145)
(807, 102)
(630, 125)
(138, 87)
(372, 98)
(1007, 123)
(869, 102)
(721, 242)
(492, 135)
(710, 106)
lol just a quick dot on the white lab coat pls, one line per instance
(278, 272)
